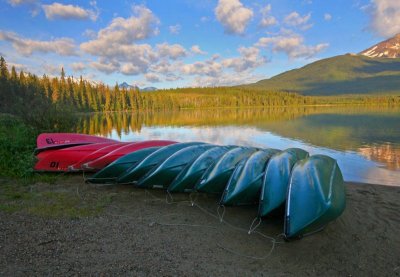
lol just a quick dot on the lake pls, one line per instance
(365, 141)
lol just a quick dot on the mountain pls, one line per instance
(344, 74)
(126, 86)
(386, 49)
(146, 89)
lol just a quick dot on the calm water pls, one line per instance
(365, 141)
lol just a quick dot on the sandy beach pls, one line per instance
(139, 234)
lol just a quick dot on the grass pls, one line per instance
(17, 142)
(22, 190)
(50, 200)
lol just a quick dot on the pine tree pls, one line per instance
(4, 74)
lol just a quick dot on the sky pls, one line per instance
(182, 43)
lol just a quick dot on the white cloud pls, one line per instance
(78, 66)
(21, 2)
(89, 34)
(132, 69)
(33, 5)
(233, 15)
(152, 77)
(327, 17)
(267, 20)
(225, 79)
(105, 67)
(292, 45)
(196, 50)
(249, 59)
(208, 67)
(61, 11)
(116, 44)
(26, 47)
(18, 66)
(294, 19)
(385, 17)
(175, 29)
(52, 69)
(123, 31)
(174, 51)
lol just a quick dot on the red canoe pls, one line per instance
(60, 140)
(112, 156)
(95, 155)
(61, 159)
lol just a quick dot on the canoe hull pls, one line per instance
(117, 168)
(245, 184)
(148, 163)
(217, 176)
(163, 175)
(47, 141)
(191, 174)
(316, 196)
(60, 160)
(105, 160)
(276, 179)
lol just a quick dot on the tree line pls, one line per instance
(23, 92)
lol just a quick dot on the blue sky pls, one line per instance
(186, 42)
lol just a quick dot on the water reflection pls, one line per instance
(365, 141)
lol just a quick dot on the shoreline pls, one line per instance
(139, 234)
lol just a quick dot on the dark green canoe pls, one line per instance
(155, 158)
(163, 174)
(276, 179)
(245, 184)
(216, 177)
(110, 173)
(190, 175)
(316, 195)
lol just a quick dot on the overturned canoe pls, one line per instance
(105, 160)
(276, 179)
(95, 155)
(46, 141)
(147, 164)
(245, 184)
(216, 177)
(110, 173)
(190, 175)
(316, 195)
(61, 159)
(162, 175)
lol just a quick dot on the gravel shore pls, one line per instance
(139, 234)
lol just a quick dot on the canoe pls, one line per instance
(216, 177)
(276, 179)
(147, 164)
(110, 173)
(190, 175)
(316, 195)
(245, 184)
(59, 160)
(95, 155)
(47, 141)
(163, 175)
(105, 160)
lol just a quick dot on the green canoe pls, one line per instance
(316, 195)
(110, 173)
(190, 175)
(155, 158)
(276, 179)
(162, 175)
(216, 177)
(245, 184)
